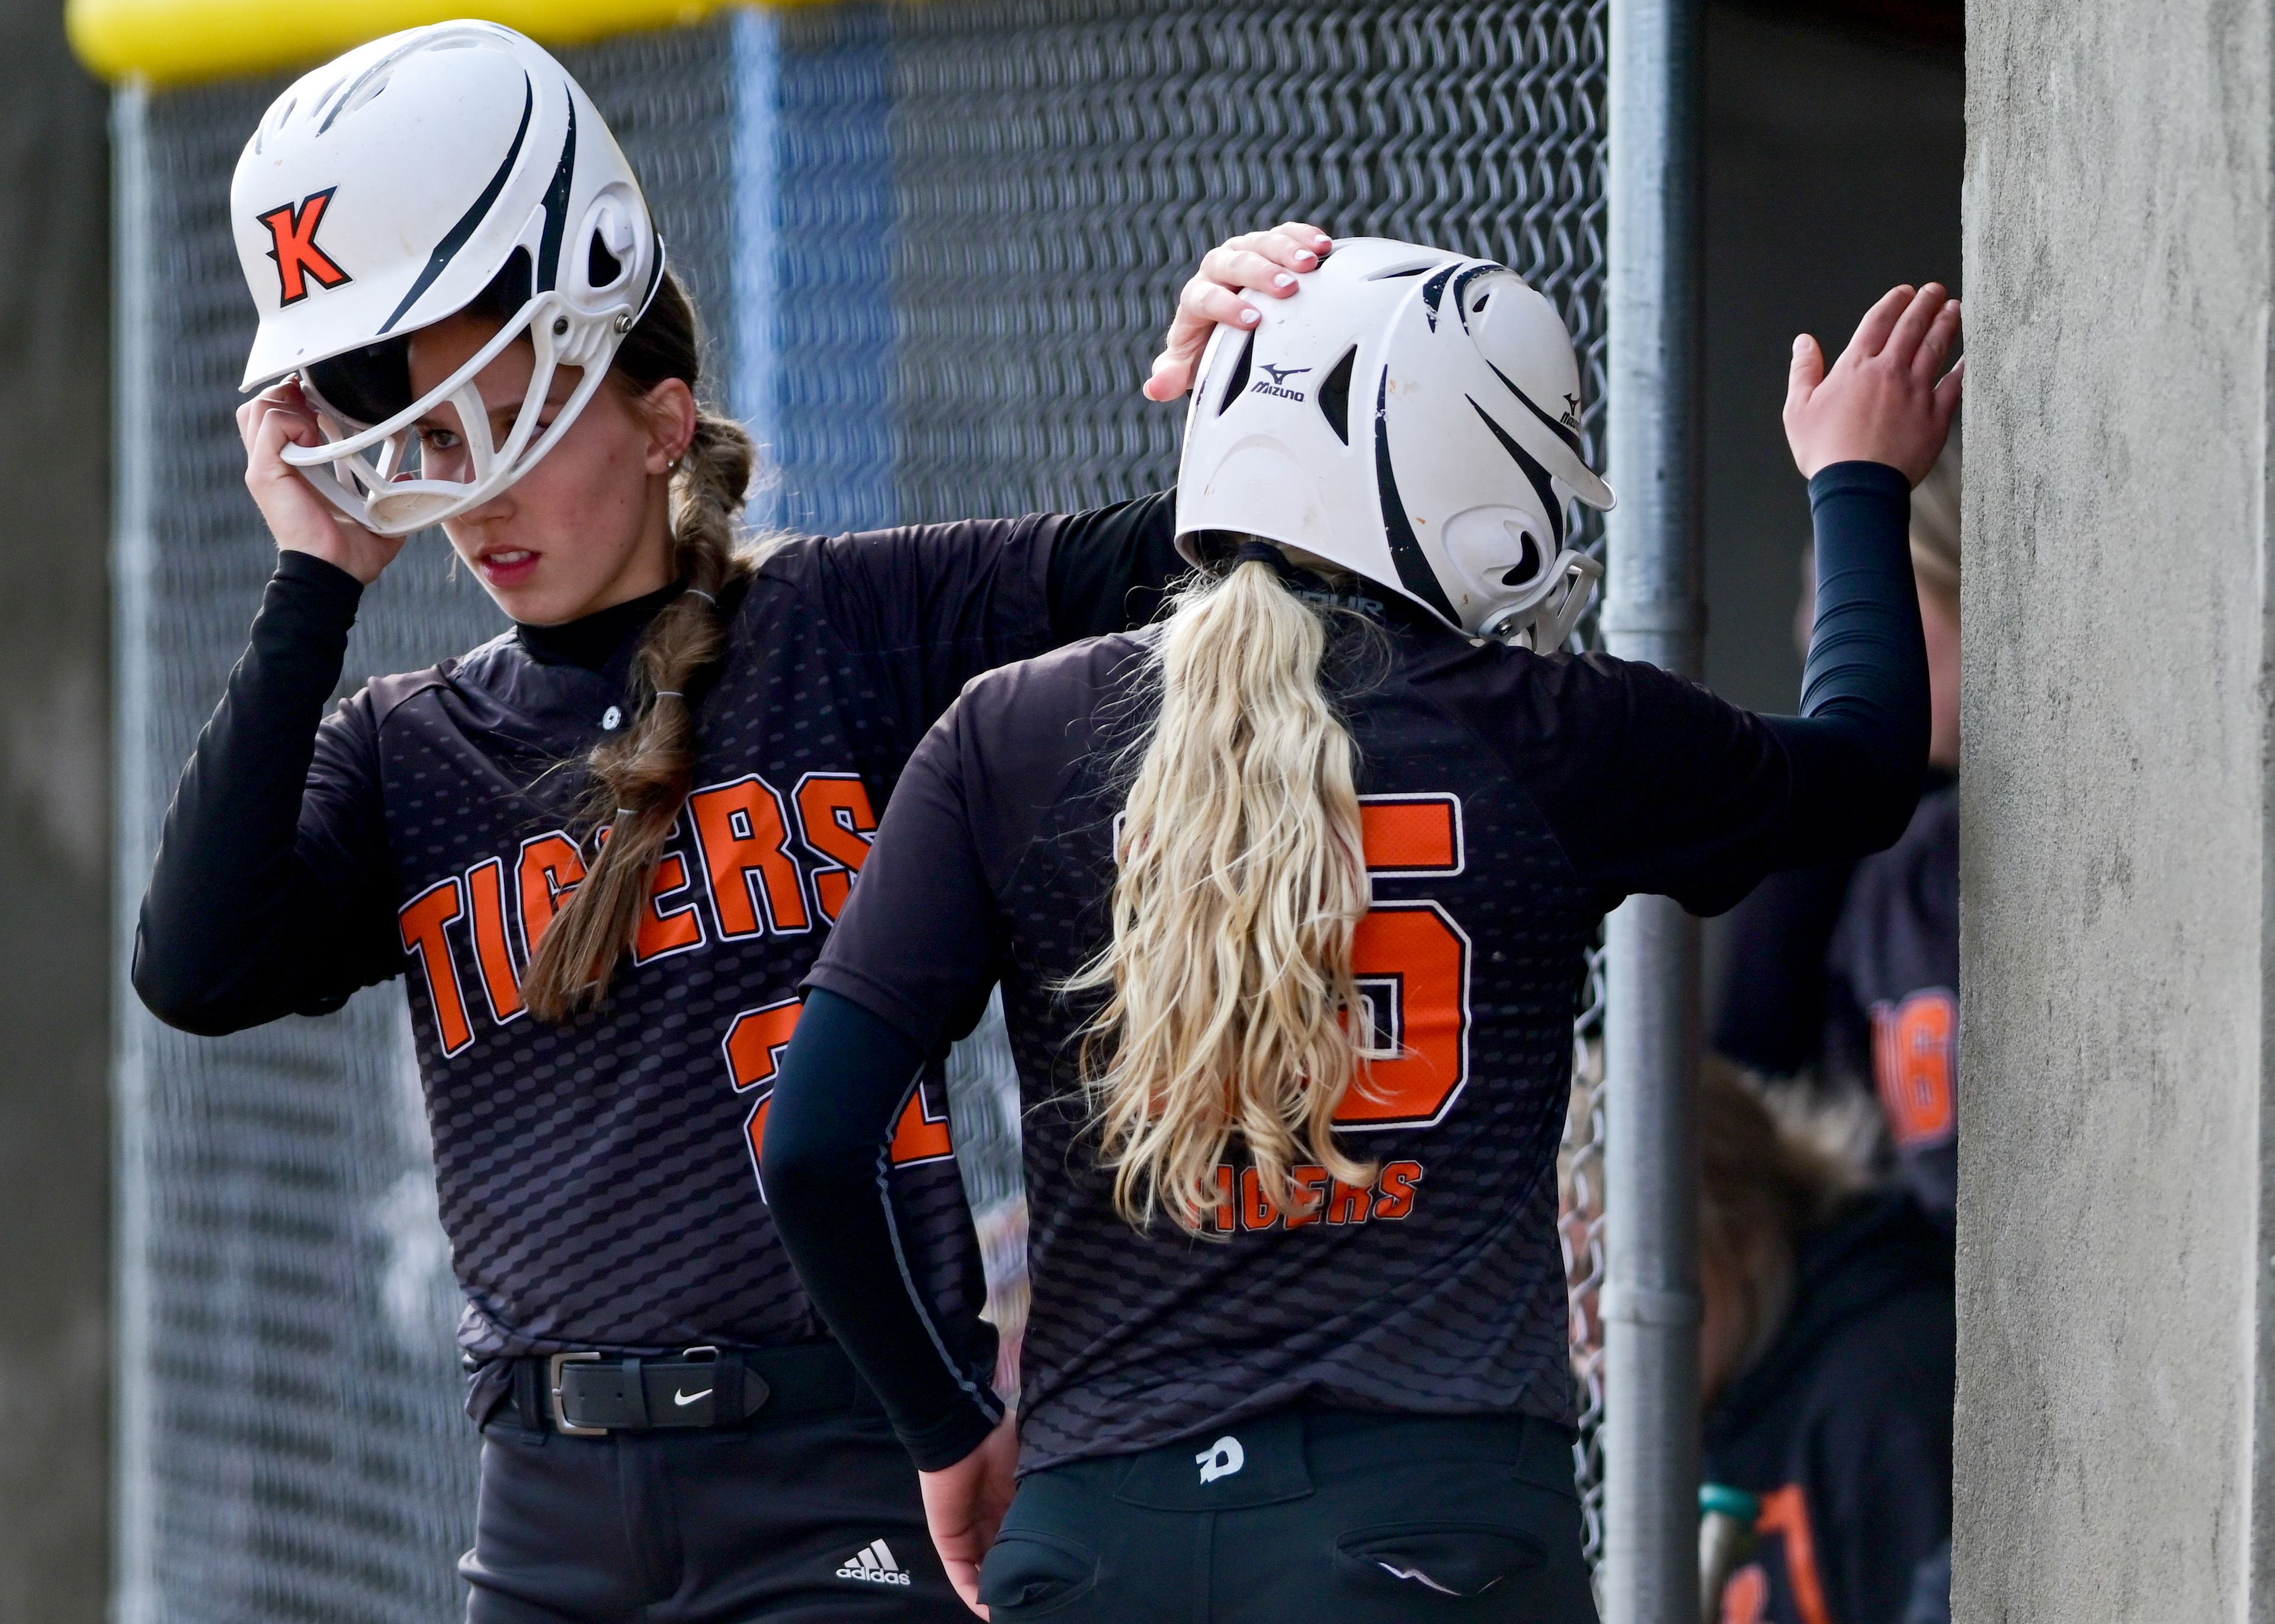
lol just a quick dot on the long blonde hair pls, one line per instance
(1242, 884)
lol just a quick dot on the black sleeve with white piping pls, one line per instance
(845, 1079)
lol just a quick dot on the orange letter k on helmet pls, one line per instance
(293, 228)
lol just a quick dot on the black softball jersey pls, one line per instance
(1508, 800)
(599, 1180)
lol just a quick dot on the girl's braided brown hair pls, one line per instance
(641, 776)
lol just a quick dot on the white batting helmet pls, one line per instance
(1411, 414)
(384, 192)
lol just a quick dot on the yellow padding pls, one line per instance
(180, 42)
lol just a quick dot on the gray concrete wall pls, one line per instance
(2113, 1149)
(55, 751)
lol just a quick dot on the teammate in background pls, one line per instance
(1826, 1361)
(463, 297)
(1289, 898)
(1850, 970)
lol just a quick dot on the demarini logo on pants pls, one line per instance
(874, 1564)
(1220, 1459)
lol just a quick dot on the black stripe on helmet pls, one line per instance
(455, 238)
(1462, 286)
(1543, 485)
(556, 206)
(1434, 289)
(1405, 552)
(1563, 430)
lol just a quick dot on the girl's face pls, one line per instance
(590, 525)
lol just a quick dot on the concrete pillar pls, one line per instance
(2115, 1253)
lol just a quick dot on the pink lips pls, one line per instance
(508, 567)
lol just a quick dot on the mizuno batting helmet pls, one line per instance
(383, 193)
(1414, 416)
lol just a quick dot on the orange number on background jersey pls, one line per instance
(1785, 1515)
(1915, 1061)
(1412, 963)
(1408, 834)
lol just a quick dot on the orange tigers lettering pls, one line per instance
(550, 867)
(835, 821)
(493, 951)
(422, 921)
(744, 833)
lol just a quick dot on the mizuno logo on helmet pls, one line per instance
(292, 231)
(1279, 381)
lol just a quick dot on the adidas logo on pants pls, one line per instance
(874, 1564)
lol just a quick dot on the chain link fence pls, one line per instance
(936, 245)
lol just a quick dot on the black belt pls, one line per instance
(590, 1394)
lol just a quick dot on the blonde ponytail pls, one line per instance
(1242, 884)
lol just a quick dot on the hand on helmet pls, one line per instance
(301, 520)
(1266, 262)
(1887, 399)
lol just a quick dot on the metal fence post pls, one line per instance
(1652, 613)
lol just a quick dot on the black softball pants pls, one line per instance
(801, 1521)
(1304, 1516)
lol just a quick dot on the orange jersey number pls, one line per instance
(753, 1046)
(1412, 965)
(1915, 1064)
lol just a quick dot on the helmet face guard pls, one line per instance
(368, 472)
(412, 173)
(1413, 416)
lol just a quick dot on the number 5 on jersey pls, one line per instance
(753, 1046)
(1412, 965)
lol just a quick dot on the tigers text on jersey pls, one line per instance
(1507, 800)
(599, 1179)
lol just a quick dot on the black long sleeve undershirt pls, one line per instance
(244, 921)
(1856, 755)
(846, 1072)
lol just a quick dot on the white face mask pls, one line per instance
(367, 474)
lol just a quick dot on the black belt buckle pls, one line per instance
(698, 1389)
(553, 1388)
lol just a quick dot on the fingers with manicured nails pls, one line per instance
(1202, 306)
(1267, 262)
(1229, 267)
(1872, 332)
(1293, 246)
